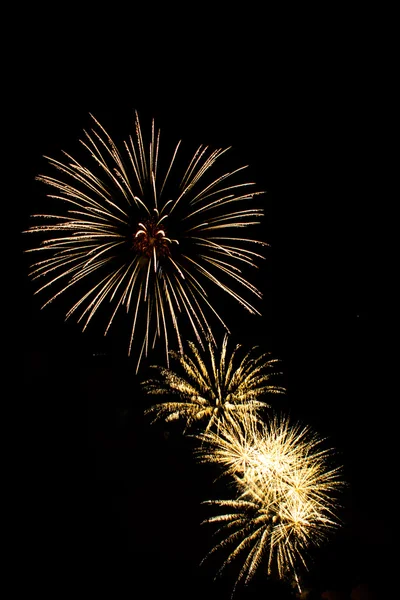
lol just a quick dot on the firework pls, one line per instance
(213, 385)
(136, 237)
(286, 493)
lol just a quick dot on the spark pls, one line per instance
(212, 384)
(133, 236)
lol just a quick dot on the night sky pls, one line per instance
(111, 504)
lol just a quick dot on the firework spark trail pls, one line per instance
(286, 493)
(131, 235)
(212, 384)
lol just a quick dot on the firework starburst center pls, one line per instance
(150, 239)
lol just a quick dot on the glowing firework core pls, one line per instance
(150, 239)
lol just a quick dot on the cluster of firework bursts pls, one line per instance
(285, 491)
(284, 478)
(153, 239)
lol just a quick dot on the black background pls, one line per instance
(110, 506)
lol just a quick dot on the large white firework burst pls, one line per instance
(213, 384)
(147, 236)
(286, 494)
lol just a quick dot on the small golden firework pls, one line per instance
(212, 385)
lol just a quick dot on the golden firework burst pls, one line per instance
(134, 237)
(286, 493)
(213, 384)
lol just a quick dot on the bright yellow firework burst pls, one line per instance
(213, 384)
(286, 493)
(135, 236)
